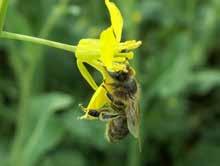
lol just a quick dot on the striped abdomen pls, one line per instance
(117, 129)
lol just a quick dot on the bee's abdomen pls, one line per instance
(117, 129)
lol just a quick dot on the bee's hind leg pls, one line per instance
(108, 114)
(104, 114)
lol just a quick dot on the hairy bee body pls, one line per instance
(124, 98)
(122, 112)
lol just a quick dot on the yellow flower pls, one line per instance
(106, 51)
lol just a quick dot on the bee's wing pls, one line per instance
(133, 120)
(133, 117)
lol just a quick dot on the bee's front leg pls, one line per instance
(117, 104)
(108, 94)
(108, 114)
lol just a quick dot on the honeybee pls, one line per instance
(122, 112)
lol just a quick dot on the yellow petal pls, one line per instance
(88, 49)
(99, 99)
(108, 47)
(116, 19)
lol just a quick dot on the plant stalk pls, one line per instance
(9, 35)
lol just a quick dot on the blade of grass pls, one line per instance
(3, 10)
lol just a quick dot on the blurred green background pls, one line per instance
(178, 67)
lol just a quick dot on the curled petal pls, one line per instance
(116, 19)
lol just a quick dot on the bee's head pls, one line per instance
(122, 76)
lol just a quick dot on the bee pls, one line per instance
(122, 112)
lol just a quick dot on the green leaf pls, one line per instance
(4, 151)
(169, 73)
(204, 81)
(67, 157)
(203, 154)
(44, 131)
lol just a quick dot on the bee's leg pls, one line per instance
(108, 94)
(108, 113)
(107, 116)
(104, 114)
(116, 103)
(94, 113)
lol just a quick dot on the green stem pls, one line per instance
(3, 9)
(9, 35)
(133, 155)
(27, 80)
(22, 120)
